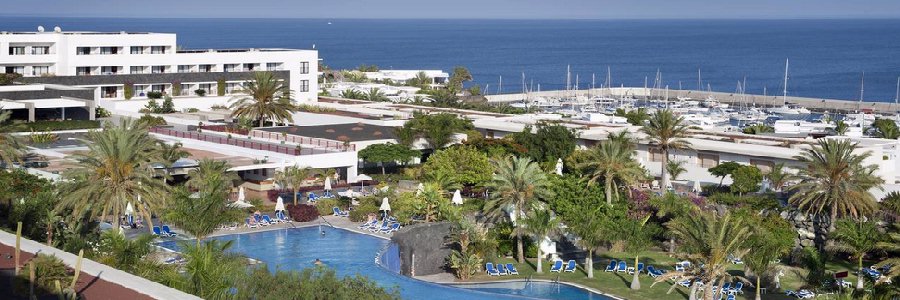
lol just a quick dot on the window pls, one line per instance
(140, 90)
(764, 165)
(40, 50)
(231, 67)
(137, 50)
(138, 69)
(207, 68)
(158, 50)
(40, 70)
(707, 160)
(16, 50)
(109, 70)
(187, 89)
(83, 70)
(304, 67)
(208, 87)
(273, 66)
(159, 88)
(109, 50)
(656, 154)
(15, 69)
(231, 87)
(250, 67)
(109, 92)
(184, 68)
(304, 85)
(158, 69)
(83, 51)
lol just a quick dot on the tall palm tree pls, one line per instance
(264, 97)
(201, 214)
(856, 238)
(638, 237)
(835, 182)
(11, 148)
(518, 185)
(207, 169)
(612, 160)
(771, 239)
(210, 271)
(540, 223)
(114, 172)
(592, 233)
(293, 177)
(707, 240)
(666, 132)
(891, 244)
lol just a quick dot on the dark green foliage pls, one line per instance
(891, 203)
(460, 75)
(495, 147)
(724, 169)
(48, 269)
(387, 153)
(129, 90)
(367, 68)
(220, 87)
(167, 106)
(154, 95)
(152, 121)
(200, 92)
(549, 142)
(123, 253)
(40, 126)
(311, 283)
(758, 128)
(437, 129)
(9, 78)
(886, 129)
(746, 179)
(756, 202)
(461, 164)
(634, 117)
(302, 212)
(360, 213)
(572, 196)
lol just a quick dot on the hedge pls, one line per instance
(302, 212)
(53, 126)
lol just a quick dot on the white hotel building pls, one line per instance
(147, 62)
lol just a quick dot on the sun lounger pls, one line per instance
(570, 267)
(557, 266)
(623, 266)
(801, 294)
(489, 268)
(612, 266)
(250, 224)
(268, 220)
(282, 217)
(384, 226)
(338, 212)
(502, 269)
(393, 227)
(157, 231)
(167, 231)
(511, 269)
(260, 221)
(685, 283)
(730, 297)
(738, 288)
(366, 225)
(640, 268)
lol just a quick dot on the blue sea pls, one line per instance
(827, 57)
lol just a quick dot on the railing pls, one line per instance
(325, 143)
(239, 142)
(225, 128)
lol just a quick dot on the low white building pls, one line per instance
(130, 65)
(438, 77)
(32, 102)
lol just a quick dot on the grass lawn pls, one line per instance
(619, 284)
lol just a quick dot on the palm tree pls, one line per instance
(293, 177)
(835, 182)
(758, 129)
(855, 238)
(172, 153)
(592, 235)
(638, 237)
(771, 239)
(777, 176)
(891, 244)
(10, 146)
(670, 206)
(707, 240)
(841, 127)
(208, 168)
(210, 271)
(666, 132)
(122, 253)
(612, 160)
(113, 172)
(201, 213)
(540, 223)
(376, 95)
(675, 169)
(264, 97)
(518, 185)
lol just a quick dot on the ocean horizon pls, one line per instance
(827, 56)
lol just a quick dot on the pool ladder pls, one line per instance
(528, 280)
(557, 283)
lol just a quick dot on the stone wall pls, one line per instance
(806, 227)
(423, 250)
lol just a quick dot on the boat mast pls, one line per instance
(784, 95)
(862, 89)
(897, 97)
(500, 86)
(609, 81)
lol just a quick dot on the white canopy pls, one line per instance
(327, 183)
(384, 204)
(457, 198)
(241, 204)
(362, 177)
(129, 210)
(696, 187)
(241, 196)
(559, 167)
(279, 205)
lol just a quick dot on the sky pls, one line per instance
(460, 9)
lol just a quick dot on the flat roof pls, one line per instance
(354, 132)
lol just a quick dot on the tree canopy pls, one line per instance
(548, 142)
(746, 179)
(385, 153)
(463, 164)
(436, 129)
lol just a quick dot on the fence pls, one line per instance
(324, 143)
(225, 128)
(244, 143)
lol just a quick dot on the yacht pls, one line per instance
(789, 110)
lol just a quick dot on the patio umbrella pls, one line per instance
(129, 210)
(241, 196)
(240, 204)
(362, 179)
(384, 204)
(327, 183)
(457, 198)
(559, 166)
(696, 188)
(279, 205)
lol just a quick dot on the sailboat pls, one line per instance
(785, 109)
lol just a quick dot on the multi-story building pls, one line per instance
(130, 65)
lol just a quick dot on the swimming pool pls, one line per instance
(350, 253)
(543, 290)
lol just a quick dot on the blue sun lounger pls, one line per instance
(623, 266)
(570, 267)
(167, 231)
(612, 266)
(157, 231)
(557, 266)
(511, 269)
(502, 270)
(268, 220)
(338, 212)
(489, 267)
(250, 225)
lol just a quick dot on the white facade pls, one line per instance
(62, 53)
(401, 76)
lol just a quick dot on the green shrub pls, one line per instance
(129, 90)
(361, 212)
(755, 201)
(100, 112)
(54, 126)
(192, 110)
(176, 88)
(48, 269)
(42, 137)
(154, 95)
(220, 86)
(153, 121)
(325, 206)
(200, 92)
(218, 107)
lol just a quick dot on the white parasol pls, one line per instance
(327, 183)
(384, 204)
(241, 196)
(696, 188)
(279, 205)
(457, 198)
(559, 167)
(129, 210)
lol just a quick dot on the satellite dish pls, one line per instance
(57, 29)
(40, 28)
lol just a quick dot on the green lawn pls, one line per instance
(619, 283)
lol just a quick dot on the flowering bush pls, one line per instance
(302, 212)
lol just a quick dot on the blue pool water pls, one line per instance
(352, 253)
(533, 289)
